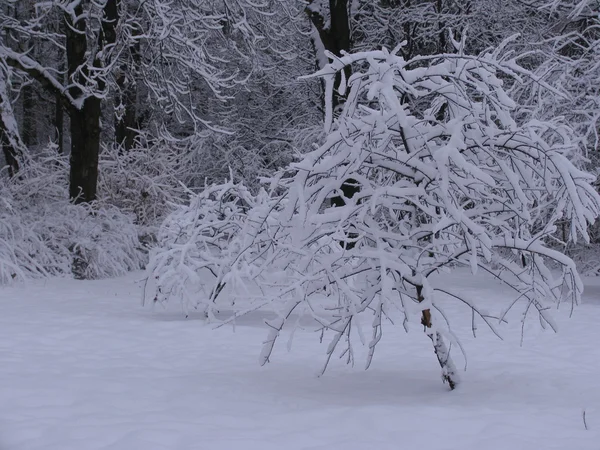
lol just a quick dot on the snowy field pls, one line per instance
(84, 366)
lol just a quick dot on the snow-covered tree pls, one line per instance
(455, 182)
(445, 177)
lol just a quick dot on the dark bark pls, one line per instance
(10, 141)
(28, 130)
(83, 107)
(336, 38)
(85, 122)
(59, 117)
(349, 188)
(108, 31)
(442, 44)
(10, 152)
(83, 173)
(334, 35)
(85, 148)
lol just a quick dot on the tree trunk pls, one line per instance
(10, 140)
(85, 122)
(335, 37)
(449, 372)
(85, 129)
(442, 44)
(85, 148)
(334, 34)
(28, 132)
(10, 153)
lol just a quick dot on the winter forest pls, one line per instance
(408, 186)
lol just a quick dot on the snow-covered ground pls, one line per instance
(84, 366)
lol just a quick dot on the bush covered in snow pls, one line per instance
(204, 245)
(144, 181)
(42, 233)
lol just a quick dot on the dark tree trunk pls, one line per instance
(85, 148)
(28, 131)
(336, 39)
(334, 35)
(339, 32)
(349, 188)
(442, 44)
(10, 140)
(10, 153)
(85, 122)
(85, 128)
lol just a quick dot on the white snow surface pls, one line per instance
(84, 366)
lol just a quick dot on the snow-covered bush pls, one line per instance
(455, 182)
(98, 240)
(43, 234)
(144, 181)
(204, 245)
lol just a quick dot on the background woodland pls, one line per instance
(113, 112)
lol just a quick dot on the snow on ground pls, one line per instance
(84, 366)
